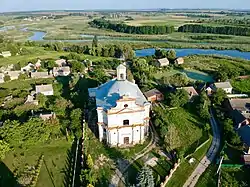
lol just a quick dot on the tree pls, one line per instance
(90, 162)
(51, 64)
(235, 139)
(42, 100)
(171, 54)
(219, 96)
(76, 122)
(95, 42)
(4, 148)
(77, 66)
(179, 98)
(6, 78)
(145, 177)
(22, 76)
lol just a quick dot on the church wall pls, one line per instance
(135, 135)
(133, 117)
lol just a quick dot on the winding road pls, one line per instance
(206, 160)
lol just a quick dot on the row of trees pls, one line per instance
(228, 30)
(120, 27)
(243, 22)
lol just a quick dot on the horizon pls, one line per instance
(95, 5)
(125, 9)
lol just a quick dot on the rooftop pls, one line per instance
(62, 69)
(163, 61)
(44, 88)
(152, 92)
(223, 85)
(108, 93)
(190, 90)
(240, 104)
(244, 132)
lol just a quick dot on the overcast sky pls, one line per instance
(23, 5)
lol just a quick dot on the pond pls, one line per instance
(198, 76)
(186, 52)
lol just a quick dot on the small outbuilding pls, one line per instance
(192, 93)
(154, 95)
(179, 61)
(5, 54)
(163, 62)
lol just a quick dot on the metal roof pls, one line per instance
(223, 85)
(107, 94)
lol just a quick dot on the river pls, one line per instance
(187, 52)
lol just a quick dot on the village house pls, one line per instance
(1, 77)
(5, 54)
(38, 75)
(61, 62)
(13, 74)
(162, 62)
(179, 61)
(192, 93)
(31, 100)
(240, 111)
(47, 116)
(226, 86)
(122, 110)
(45, 89)
(28, 68)
(154, 95)
(61, 71)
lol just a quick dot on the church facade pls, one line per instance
(123, 111)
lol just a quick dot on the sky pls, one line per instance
(29, 5)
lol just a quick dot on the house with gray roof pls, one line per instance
(226, 86)
(45, 89)
(240, 111)
(38, 75)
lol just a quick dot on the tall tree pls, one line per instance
(4, 148)
(95, 41)
(145, 177)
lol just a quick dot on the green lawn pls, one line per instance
(55, 154)
(185, 169)
(241, 86)
(38, 53)
(208, 178)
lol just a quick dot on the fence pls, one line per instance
(167, 178)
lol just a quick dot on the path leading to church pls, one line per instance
(126, 163)
(206, 161)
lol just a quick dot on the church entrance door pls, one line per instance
(126, 140)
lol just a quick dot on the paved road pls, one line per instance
(206, 160)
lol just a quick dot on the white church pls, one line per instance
(123, 111)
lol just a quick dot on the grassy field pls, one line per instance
(212, 63)
(71, 28)
(185, 169)
(55, 154)
(38, 53)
